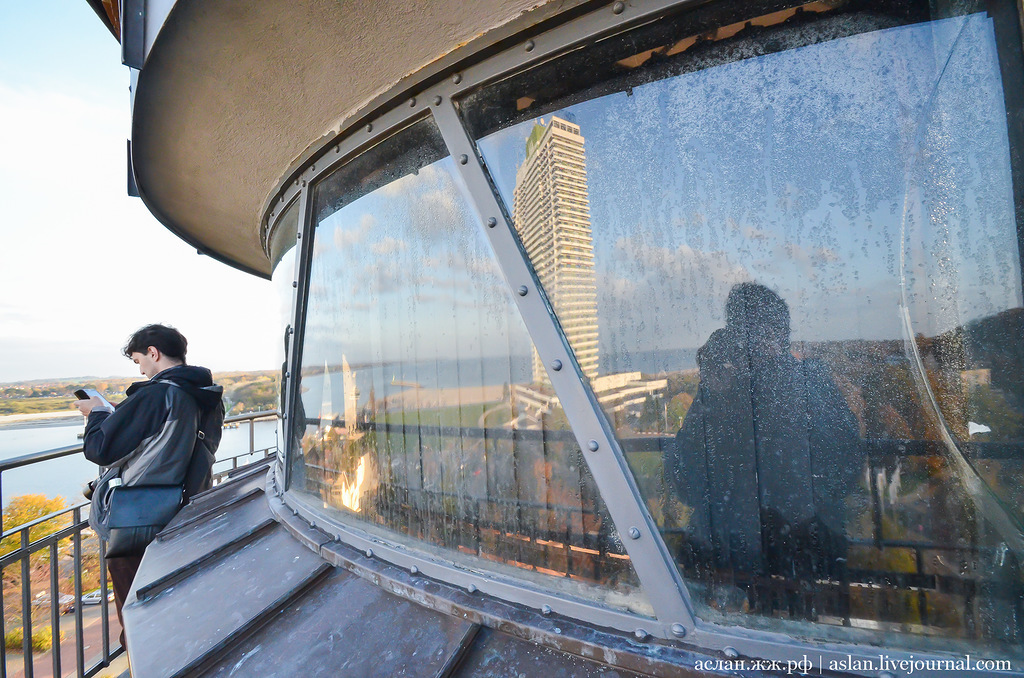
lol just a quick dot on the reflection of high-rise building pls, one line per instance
(348, 378)
(551, 212)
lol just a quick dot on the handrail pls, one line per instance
(58, 452)
(35, 457)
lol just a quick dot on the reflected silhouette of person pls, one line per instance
(768, 452)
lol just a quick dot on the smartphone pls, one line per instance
(86, 393)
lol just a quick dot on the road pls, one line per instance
(42, 665)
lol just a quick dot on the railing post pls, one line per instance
(104, 604)
(26, 605)
(79, 633)
(252, 435)
(55, 609)
(3, 630)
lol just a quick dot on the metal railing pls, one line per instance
(50, 546)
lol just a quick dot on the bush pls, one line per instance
(13, 638)
(42, 640)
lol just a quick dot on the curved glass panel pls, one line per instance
(282, 239)
(412, 362)
(784, 249)
(283, 255)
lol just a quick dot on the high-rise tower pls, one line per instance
(551, 212)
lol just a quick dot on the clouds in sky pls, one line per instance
(82, 265)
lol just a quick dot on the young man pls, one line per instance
(152, 435)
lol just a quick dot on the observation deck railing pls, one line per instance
(49, 548)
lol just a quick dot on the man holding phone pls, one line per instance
(164, 433)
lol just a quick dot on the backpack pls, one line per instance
(210, 427)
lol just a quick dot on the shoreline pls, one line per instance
(40, 418)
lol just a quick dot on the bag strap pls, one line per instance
(199, 410)
(189, 485)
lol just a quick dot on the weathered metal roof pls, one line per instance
(232, 587)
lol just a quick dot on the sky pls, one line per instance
(83, 265)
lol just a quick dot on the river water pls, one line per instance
(65, 477)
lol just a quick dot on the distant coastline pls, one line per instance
(37, 419)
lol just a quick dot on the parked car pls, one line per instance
(93, 597)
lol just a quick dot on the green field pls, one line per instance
(35, 405)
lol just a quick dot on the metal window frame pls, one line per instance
(658, 574)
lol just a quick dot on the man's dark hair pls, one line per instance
(167, 340)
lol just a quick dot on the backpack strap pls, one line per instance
(198, 472)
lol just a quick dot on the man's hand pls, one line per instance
(86, 406)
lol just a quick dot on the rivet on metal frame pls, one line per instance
(492, 222)
(369, 553)
(529, 45)
(298, 236)
(303, 183)
(678, 630)
(457, 78)
(545, 610)
(641, 634)
(556, 365)
(287, 375)
(369, 127)
(634, 533)
(463, 159)
(312, 168)
(472, 588)
(412, 102)
(295, 283)
(414, 570)
(438, 100)
(618, 8)
(523, 290)
(731, 652)
(593, 446)
(337, 149)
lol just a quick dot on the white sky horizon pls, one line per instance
(83, 265)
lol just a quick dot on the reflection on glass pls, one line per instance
(785, 253)
(413, 367)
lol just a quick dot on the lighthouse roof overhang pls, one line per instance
(232, 96)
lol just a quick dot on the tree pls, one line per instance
(26, 508)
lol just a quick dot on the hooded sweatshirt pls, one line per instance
(151, 435)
